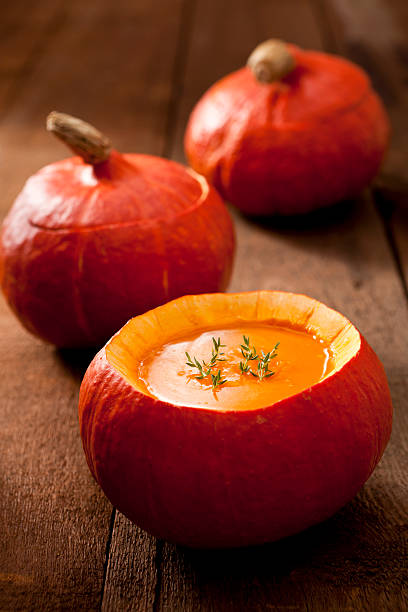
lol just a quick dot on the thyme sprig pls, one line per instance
(263, 364)
(250, 354)
(205, 369)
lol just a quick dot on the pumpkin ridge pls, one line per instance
(336, 114)
(78, 305)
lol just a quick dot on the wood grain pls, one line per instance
(209, 56)
(374, 34)
(355, 561)
(24, 34)
(133, 575)
(56, 522)
(124, 97)
(136, 69)
(54, 517)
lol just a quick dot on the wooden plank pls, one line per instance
(394, 194)
(23, 28)
(54, 519)
(106, 63)
(131, 579)
(374, 34)
(24, 33)
(354, 561)
(123, 87)
(243, 25)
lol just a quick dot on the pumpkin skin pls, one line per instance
(215, 478)
(308, 140)
(84, 247)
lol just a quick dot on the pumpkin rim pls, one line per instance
(344, 341)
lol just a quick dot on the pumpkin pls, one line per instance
(291, 132)
(220, 477)
(95, 239)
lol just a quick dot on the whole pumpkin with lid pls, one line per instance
(293, 131)
(95, 239)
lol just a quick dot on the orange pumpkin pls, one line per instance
(217, 477)
(293, 131)
(95, 239)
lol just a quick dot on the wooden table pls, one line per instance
(135, 69)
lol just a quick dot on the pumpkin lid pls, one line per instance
(88, 192)
(314, 85)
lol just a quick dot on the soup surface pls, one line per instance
(299, 361)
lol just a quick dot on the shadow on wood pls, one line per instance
(321, 219)
(358, 546)
(76, 361)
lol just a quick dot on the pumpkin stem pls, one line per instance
(270, 61)
(81, 137)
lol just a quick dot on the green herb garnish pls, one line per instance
(250, 354)
(205, 369)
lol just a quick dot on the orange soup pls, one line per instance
(299, 361)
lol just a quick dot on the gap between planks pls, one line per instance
(51, 30)
(107, 553)
(177, 80)
(391, 90)
(183, 44)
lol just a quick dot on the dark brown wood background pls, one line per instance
(135, 68)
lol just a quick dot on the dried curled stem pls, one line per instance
(81, 137)
(271, 61)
